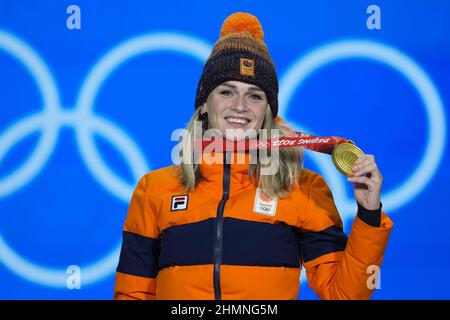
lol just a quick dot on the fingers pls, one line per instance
(365, 160)
(366, 165)
(366, 169)
(363, 180)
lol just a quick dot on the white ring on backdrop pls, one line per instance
(306, 65)
(94, 81)
(362, 49)
(51, 102)
(85, 123)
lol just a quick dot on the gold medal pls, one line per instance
(344, 157)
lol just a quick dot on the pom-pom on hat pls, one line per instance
(241, 21)
(240, 54)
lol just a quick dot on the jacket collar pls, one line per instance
(212, 169)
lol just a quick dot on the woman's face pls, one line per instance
(236, 105)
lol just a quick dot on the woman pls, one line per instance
(221, 230)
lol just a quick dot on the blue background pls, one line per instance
(64, 215)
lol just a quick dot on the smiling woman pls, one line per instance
(223, 230)
(235, 104)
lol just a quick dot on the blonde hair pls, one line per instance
(278, 184)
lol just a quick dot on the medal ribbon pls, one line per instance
(300, 139)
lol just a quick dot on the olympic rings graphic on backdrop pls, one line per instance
(86, 123)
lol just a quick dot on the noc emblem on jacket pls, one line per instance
(179, 203)
(265, 203)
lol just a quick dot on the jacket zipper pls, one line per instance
(219, 227)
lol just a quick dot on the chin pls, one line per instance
(241, 133)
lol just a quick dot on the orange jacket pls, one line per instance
(221, 241)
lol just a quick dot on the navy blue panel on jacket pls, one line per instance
(139, 255)
(187, 244)
(246, 243)
(315, 244)
(252, 243)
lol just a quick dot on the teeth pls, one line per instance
(237, 120)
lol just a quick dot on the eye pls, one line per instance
(226, 93)
(256, 97)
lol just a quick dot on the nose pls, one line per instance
(239, 104)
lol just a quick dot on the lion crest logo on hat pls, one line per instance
(247, 67)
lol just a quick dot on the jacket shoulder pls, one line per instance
(321, 209)
(163, 179)
(307, 176)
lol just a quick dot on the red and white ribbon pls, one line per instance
(308, 141)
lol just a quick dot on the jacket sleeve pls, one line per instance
(338, 267)
(141, 245)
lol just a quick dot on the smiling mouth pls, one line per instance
(235, 120)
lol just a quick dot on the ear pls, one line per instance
(203, 109)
